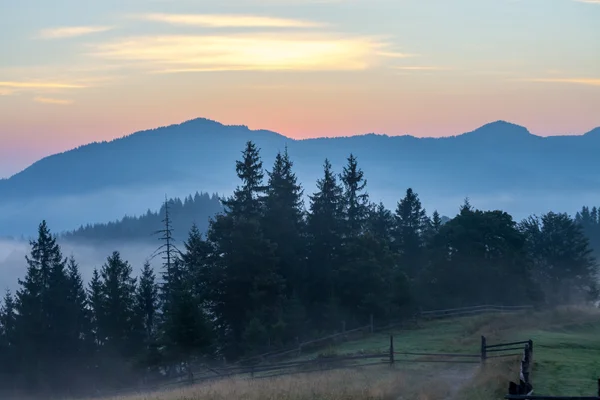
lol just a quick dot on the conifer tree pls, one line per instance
(356, 200)
(118, 321)
(147, 302)
(42, 299)
(245, 271)
(8, 343)
(96, 309)
(325, 230)
(411, 227)
(284, 224)
(196, 259)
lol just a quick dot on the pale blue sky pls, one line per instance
(74, 71)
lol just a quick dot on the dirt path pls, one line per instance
(444, 382)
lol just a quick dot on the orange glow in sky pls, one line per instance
(72, 73)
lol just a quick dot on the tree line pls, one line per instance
(196, 209)
(271, 271)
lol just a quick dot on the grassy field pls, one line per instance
(566, 362)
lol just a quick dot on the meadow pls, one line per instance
(566, 362)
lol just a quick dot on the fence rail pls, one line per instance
(261, 366)
(408, 323)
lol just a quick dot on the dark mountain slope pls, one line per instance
(499, 165)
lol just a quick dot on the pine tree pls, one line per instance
(147, 303)
(96, 308)
(245, 271)
(196, 259)
(380, 223)
(356, 200)
(325, 225)
(410, 230)
(118, 322)
(436, 222)
(8, 343)
(43, 337)
(284, 223)
(77, 321)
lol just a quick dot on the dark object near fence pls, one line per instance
(539, 397)
(524, 387)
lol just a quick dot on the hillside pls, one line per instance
(197, 209)
(565, 363)
(499, 165)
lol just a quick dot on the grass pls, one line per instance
(566, 362)
(377, 383)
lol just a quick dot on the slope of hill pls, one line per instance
(197, 209)
(499, 165)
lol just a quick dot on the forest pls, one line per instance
(196, 209)
(272, 270)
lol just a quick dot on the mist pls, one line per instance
(13, 265)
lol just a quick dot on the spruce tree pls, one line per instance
(196, 259)
(325, 224)
(245, 270)
(147, 303)
(8, 344)
(284, 223)
(96, 308)
(42, 306)
(356, 200)
(118, 323)
(411, 227)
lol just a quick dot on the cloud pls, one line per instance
(421, 68)
(49, 100)
(228, 21)
(259, 52)
(6, 92)
(71, 31)
(39, 85)
(580, 81)
(393, 54)
(588, 1)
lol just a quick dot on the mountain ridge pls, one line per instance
(105, 180)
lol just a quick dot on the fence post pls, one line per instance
(371, 323)
(530, 343)
(483, 349)
(525, 365)
(391, 349)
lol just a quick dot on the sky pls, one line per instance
(77, 71)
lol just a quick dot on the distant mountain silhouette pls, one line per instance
(500, 165)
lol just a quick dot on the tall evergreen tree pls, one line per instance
(284, 226)
(245, 268)
(325, 225)
(96, 309)
(42, 306)
(118, 321)
(410, 231)
(196, 260)
(8, 344)
(147, 303)
(283, 222)
(356, 200)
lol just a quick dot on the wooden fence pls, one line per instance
(524, 389)
(370, 328)
(262, 366)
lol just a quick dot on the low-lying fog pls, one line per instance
(69, 213)
(13, 265)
